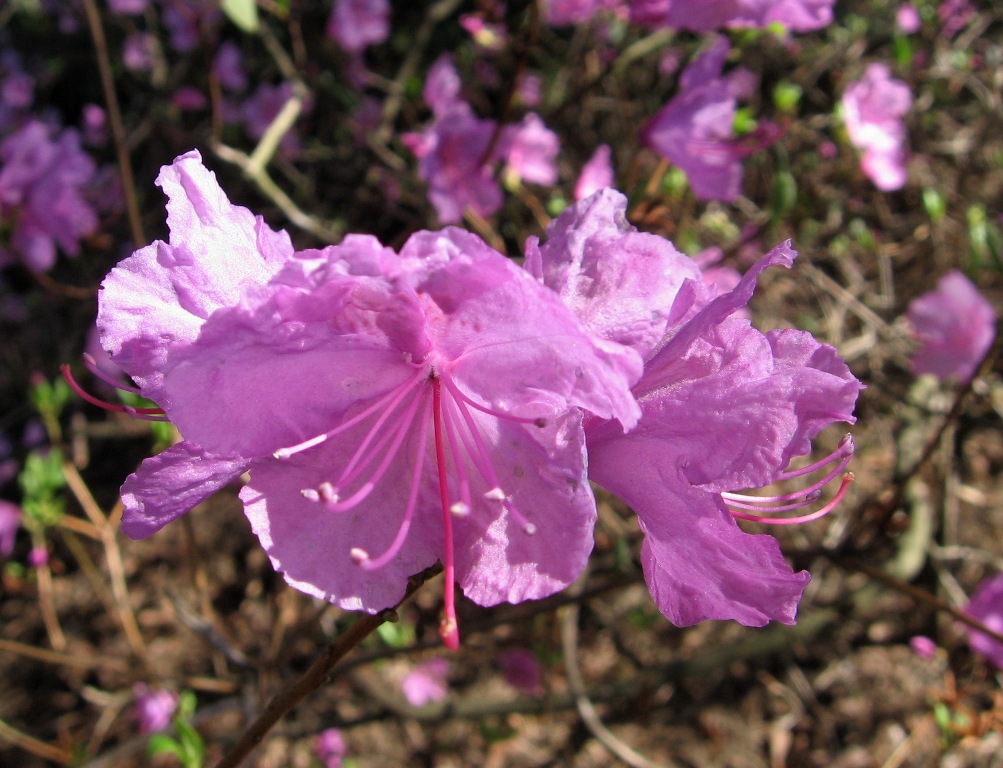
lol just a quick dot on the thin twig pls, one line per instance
(920, 595)
(47, 604)
(586, 709)
(395, 97)
(74, 659)
(271, 190)
(115, 121)
(33, 745)
(113, 556)
(319, 673)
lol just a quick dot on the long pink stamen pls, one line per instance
(388, 401)
(395, 546)
(482, 460)
(833, 503)
(449, 629)
(455, 391)
(395, 439)
(360, 459)
(92, 366)
(810, 498)
(846, 447)
(740, 498)
(463, 507)
(147, 414)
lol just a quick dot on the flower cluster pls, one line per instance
(443, 404)
(799, 15)
(43, 178)
(457, 151)
(873, 109)
(986, 605)
(694, 130)
(954, 325)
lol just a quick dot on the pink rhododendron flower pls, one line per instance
(873, 110)
(797, 15)
(38, 556)
(139, 51)
(563, 12)
(530, 150)
(10, 521)
(131, 7)
(907, 19)
(456, 156)
(188, 20)
(153, 709)
(720, 279)
(531, 90)
(330, 748)
(955, 327)
(596, 173)
(488, 35)
(724, 407)
(454, 151)
(923, 646)
(695, 129)
(95, 125)
(357, 24)
(521, 670)
(394, 409)
(228, 66)
(986, 605)
(954, 15)
(42, 181)
(426, 683)
(451, 160)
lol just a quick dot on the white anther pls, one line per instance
(310, 494)
(495, 494)
(327, 492)
(358, 555)
(282, 453)
(530, 529)
(460, 509)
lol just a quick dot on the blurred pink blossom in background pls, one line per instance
(330, 748)
(153, 709)
(521, 670)
(873, 110)
(954, 325)
(426, 682)
(10, 521)
(43, 176)
(695, 129)
(356, 24)
(596, 173)
(923, 646)
(907, 19)
(986, 605)
(529, 150)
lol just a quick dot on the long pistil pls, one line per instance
(449, 629)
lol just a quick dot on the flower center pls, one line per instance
(462, 458)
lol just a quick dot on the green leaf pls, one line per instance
(243, 13)
(787, 96)
(161, 743)
(187, 704)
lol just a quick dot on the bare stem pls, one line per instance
(33, 745)
(586, 709)
(115, 121)
(259, 176)
(318, 674)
